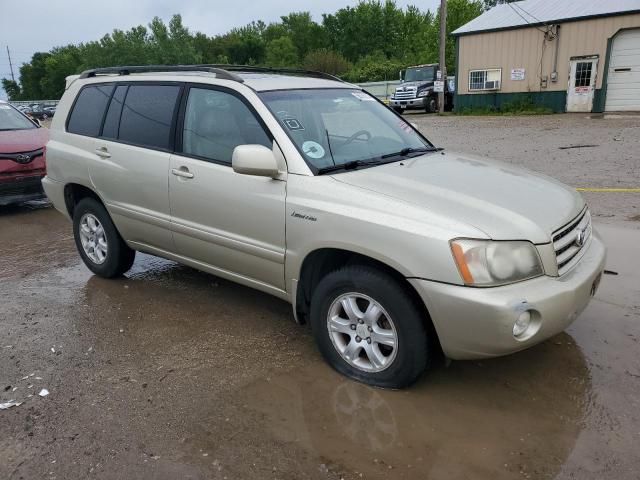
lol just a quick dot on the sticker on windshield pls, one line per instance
(362, 96)
(313, 149)
(293, 124)
(404, 126)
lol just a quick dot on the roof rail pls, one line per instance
(221, 71)
(127, 70)
(286, 71)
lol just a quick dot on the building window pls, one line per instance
(488, 79)
(583, 74)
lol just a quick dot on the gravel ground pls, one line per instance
(171, 373)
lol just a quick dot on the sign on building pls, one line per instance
(517, 74)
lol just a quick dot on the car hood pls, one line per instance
(504, 201)
(16, 141)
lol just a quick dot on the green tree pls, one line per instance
(328, 61)
(369, 41)
(305, 34)
(281, 52)
(459, 12)
(12, 89)
(172, 45)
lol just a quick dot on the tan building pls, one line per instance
(569, 55)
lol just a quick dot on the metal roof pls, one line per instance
(539, 12)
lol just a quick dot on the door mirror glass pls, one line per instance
(254, 160)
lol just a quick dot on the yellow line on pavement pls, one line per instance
(622, 190)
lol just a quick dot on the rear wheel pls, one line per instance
(368, 327)
(98, 242)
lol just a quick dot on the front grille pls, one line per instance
(23, 186)
(572, 240)
(407, 93)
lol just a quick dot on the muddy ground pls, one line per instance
(171, 373)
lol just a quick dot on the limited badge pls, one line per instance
(313, 149)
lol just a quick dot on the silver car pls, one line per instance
(308, 188)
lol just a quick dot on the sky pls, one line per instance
(29, 26)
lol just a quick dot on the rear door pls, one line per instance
(132, 160)
(234, 223)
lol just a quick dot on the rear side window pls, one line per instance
(147, 115)
(88, 111)
(112, 120)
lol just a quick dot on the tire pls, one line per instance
(399, 110)
(117, 257)
(410, 356)
(432, 105)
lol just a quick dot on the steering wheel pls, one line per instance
(359, 133)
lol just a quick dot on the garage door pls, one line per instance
(623, 82)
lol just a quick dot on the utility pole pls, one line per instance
(443, 60)
(10, 65)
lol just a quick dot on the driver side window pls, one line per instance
(216, 122)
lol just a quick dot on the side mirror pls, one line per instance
(37, 122)
(254, 160)
(401, 76)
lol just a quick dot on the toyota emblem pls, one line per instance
(23, 158)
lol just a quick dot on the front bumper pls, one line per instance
(21, 190)
(478, 322)
(409, 103)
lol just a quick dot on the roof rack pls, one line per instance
(286, 71)
(127, 70)
(225, 72)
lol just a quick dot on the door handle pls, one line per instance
(182, 172)
(103, 152)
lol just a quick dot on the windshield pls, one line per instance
(419, 74)
(336, 127)
(11, 119)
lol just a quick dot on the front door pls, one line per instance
(582, 84)
(231, 222)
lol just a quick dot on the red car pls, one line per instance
(22, 156)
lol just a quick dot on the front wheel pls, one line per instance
(368, 327)
(432, 105)
(399, 110)
(98, 242)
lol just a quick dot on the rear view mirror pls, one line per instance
(254, 160)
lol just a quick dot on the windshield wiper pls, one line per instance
(408, 151)
(352, 165)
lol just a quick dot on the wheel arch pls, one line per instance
(74, 192)
(322, 261)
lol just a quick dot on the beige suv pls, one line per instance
(310, 189)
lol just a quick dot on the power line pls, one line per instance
(527, 21)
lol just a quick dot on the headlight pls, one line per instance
(423, 93)
(489, 263)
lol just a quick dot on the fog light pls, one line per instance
(522, 323)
